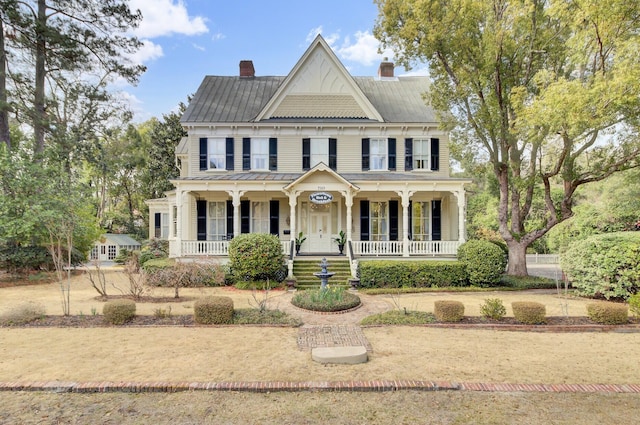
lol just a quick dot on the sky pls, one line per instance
(185, 40)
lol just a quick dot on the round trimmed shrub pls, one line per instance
(492, 308)
(606, 265)
(484, 261)
(448, 311)
(213, 310)
(608, 313)
(529, 312)
(256, 256)
(119, 312)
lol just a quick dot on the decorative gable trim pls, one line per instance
(341, 94)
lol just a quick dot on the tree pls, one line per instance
(52, 39)
(547, 89)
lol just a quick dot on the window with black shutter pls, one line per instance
(393, 220)
(435, 154)
(229, 220)
(157, 225)
(436, 220)
(273, 154)
(201, 213)
(245, 217)
(408, 154)
(203, 154)
(306, 154)
(229, 161)
(333, 154)
(246, 153)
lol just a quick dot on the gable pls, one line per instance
(319, 87)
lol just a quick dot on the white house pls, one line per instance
(317, 151)
(110, 244)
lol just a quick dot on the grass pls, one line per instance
(399, 317)
(253, 316)
(23, 314)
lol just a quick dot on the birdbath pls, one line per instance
(323, 274)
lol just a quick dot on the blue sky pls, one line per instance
(188, 39)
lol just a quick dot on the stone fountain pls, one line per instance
(323, 274)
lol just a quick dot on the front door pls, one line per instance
(320, 230)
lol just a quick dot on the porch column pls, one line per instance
(171, 234)
(235, 200)
(293, 203)
(179, 194)
(460, 195)
(348, 201)
(406, 198)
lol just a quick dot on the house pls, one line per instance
(316, 152)
(109, 245)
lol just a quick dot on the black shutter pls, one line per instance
(245, 212)
(201, 208)
(333, 154)
(436, 220)
(229, 150)
(274, 217)
(229, 220)
(306, 154)
(157, 225)
(408, 154)
(393, 220)
(365, 155)
(391, 143)
(410, 220)
(364, 220)
(203, 154)
(435, 154)
(246, 153)
(273, 154)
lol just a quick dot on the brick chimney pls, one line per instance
(386, 68)
(246, 69)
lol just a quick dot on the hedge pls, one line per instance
(416, 274)
(606, 265)
(484, 261)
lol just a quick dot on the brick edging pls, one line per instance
(283, 386)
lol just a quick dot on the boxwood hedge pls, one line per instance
(416, 274)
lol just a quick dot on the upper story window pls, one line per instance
(379, 153)
(259, 154)
(316, 150)
(216, 153)
(422, 154)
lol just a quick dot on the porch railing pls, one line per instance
(395, 248)
(377, 248)
(434, 247)
(209, 248)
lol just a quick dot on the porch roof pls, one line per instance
(352, 177)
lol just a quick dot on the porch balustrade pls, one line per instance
(360, 248)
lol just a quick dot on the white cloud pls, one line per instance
(331, 39)
(147, 53)
(218, 36)
(364, 50)
(198, 47)
(166, 17)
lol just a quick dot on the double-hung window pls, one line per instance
(319, 151)
(421, 154)
(217, 221)
(420, 221)
(379, 221)
(259, 217)
(259, 154)
(217, 153)
(378, 154)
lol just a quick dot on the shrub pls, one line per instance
(606, 265)
(528, 312)
(256, 284)
(493, 309)
(608, 313)
(416, 274)
(448, 311)
(484, 262)
(152, 249)
(167, 273)
(22, 259)
(23, 314)
(157, 264)
(119, 312)
(256, 256)
(213, 310)
(330, 299)
(634, 304)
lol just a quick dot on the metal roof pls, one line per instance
(289, 177)
(233, 99)
(121, 240)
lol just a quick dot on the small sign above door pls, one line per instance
(321, 197)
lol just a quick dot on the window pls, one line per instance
(217, 221)
(379, 221)
(259, 154)
(421, 154)
(165, 226)
(319, 152)
(94, 253)
(259, 217)
(378, 154)
(420, 221)
(175, 221)
(217, 154)
(112, 252)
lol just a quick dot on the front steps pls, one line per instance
(303, 270)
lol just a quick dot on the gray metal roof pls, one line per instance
(239, 100)
(121, 240)
(352, 177)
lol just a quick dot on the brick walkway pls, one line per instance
(310, 337)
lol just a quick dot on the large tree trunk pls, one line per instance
(517, 259)
(39, 112)
(5, 135)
